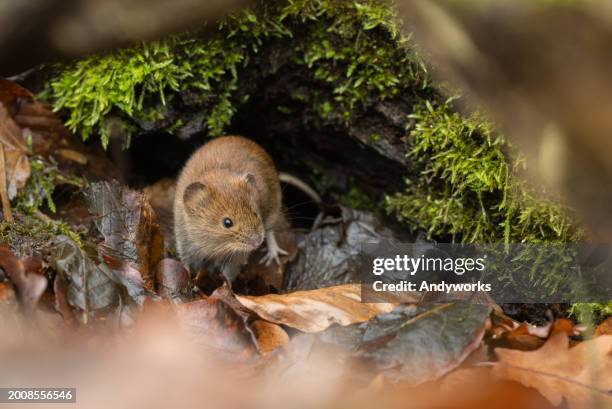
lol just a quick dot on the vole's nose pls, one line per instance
(255, 239)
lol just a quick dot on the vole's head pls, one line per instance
(222, 216)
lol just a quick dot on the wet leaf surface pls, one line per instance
(173, 280)
(416, 345)
(329, 255)
(132, 237)
(88, 286)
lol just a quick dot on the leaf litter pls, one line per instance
(124, 273)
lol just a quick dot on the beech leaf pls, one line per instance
(315, 310)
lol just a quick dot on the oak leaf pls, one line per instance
(582, 375)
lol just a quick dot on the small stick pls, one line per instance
(44, 217)
(22, 76)
(6, 204)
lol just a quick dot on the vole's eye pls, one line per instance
(227, 223)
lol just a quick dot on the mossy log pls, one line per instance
(338, 95)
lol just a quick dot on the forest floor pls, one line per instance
(94, 277)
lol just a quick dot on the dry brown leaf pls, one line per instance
(269, 336)
(521, 338)
(72, 155)
(48, 135)
(17, 167)
(605, 328)
(507, 333)
(7, 294)
(564, 325)
(214, 325)
(475, 388)
(36, 119)
(172, 280)
(24, 273)
(582, 374)
(316, 310)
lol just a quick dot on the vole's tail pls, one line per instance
(301, 185)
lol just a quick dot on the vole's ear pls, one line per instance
(194, 196)
(249, 178)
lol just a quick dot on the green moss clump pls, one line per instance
(356, 55)
(44, 178)
(357, 199)
(466, 188)
(28, 233)
(99, 88)
(352, 49)
(32, 229)
(591, 313)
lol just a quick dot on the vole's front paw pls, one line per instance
(273, 254)
(274, 251)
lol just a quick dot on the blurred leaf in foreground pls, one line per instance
(582, 374)
(26, 276)
(216, 326)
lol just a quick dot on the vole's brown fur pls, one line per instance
(230, 177)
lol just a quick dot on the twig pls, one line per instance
(44, 217)
(23, 75)
(6, 204)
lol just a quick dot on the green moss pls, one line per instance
(352, 49)
(355, 55)
(357, 199)
(99, 88)
(466, 188)
(137, 83)
(31, 229)
(44, 178)
(591, 313)
(29, 233)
